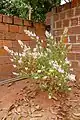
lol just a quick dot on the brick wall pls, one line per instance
(68, 15)
(11, 30)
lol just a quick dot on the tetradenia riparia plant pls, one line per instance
(48, 64)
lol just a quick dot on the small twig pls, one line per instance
(2, 82)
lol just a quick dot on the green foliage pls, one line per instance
(14, 7)
(48, 64)
(21, 8)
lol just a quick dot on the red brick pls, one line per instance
(7, 43)
(16, 46)
(22, 37)
(22, 28)
(74, 30)
(79, 20)
(32, 43)
(38, 25)
(76, 47)
(54, 25)
(74, 64)
(27, 23)
(3, 52)
(78, 2)
(39, 33)
(27, 42)
(67, 6)
(39, 29)
(1, 17)
(13, 28)
(56, 17)
(10, 36)
(74, 21)
(78, 56)
(1, 43)
(17, 49)
(78, 40)
(74, 3)
(57, 32)
(7, 19)
(66, 23)
(18, 21)
(77, 11)
(4, 60)
(3, 27)
(14, 43)
(1, 35)
(33, 29)
(59, 24)
(72, 39)
(71, 56)
(70, 13)
(62, 15)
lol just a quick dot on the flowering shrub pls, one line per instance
(47, 64)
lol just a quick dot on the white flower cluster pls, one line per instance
(56, 66)
(71, 77)
(48, 35)
(31, 34)
(39, 53)
(65, 31)
(8, 50)
(67, 61)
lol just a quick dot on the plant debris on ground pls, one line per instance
(24, 101)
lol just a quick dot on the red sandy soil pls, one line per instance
(23, 100)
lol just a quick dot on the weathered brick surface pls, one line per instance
(12, 30)
(7, 19)
(7, 43)
(74, 64)
(62, 15)
(71, 56)
(76, 47)
(1, 35)
(77, 11)
(3, 27)
(74, 21)
(21, 29)
(74, 30)
(0, 17)
(18, 21)
(72, 39)
(27, 23)
(56, 17)
(4, 60)
(66, 23)
(70, 13)
(10, 36)
(59, 24)
(3, 52)
(78, 56)
(1, 43)
(69, 16)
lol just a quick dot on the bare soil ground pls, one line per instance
(23, 100)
